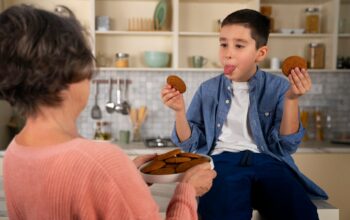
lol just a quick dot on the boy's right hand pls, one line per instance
(172, 98)
(200, 177)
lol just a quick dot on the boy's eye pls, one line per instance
(239, 46)
(223, 45)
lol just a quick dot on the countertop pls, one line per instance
(137, 148)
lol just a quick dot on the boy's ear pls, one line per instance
(261, 54)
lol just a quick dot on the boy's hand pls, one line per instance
(172, 98)
(300, 83)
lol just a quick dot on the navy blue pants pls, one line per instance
(247, 180)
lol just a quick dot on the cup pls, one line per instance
(124, 136)
(102, 23)
(275, 63)
(198, 61)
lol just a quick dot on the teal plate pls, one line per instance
(160, 14)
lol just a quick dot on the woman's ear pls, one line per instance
(261, 54)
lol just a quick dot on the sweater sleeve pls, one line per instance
(121, 193)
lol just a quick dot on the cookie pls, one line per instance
(292, 62)
(168, 154)
(163, 171)
(190, 155)
(177, 83)
(177, 159)
(154, 165)
(187, 165)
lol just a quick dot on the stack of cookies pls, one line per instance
(172, 162)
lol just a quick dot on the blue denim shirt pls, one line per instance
(209, 109)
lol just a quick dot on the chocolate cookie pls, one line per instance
(154, 165)
(168, 154)
(177, 83)
(292, 62)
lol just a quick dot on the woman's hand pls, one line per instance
(200, 177)
(300, 83)
(139, 160)
(172, 98)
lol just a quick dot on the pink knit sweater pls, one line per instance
(82, 179)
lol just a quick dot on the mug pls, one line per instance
(102, 23)
(124, 136)
(198, 61)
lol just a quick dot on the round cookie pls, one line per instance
(292, 62)
(177, 159)
(177, 83)
(163, 171)
(187, 165)
(167, 155)
(154, 165)
(190, 155)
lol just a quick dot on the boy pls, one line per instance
(248, 121)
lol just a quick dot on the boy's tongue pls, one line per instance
(228, 69)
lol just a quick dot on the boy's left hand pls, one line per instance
(300, 83)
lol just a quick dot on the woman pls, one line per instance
(50, 172)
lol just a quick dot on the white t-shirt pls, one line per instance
(236, 135)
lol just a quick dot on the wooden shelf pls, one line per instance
(135, 33)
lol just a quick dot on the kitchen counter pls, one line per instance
(137, 148)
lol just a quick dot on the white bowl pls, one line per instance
(169, 178)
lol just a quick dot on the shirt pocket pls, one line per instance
(266, 118)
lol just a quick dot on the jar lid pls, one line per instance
(121, 55)
(312, 9)
(315, 45)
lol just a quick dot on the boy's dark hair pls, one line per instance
(41, 54)
(256, 22)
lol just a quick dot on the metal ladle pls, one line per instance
(96, 111)
(110, 106)
(118, 107)
(125, 104)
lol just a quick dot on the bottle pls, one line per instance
(319, 126)
(98, 131)
(328, 134)
(316, 56)
(312, 20)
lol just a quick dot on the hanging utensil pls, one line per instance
(110, 106)
(118, 106)
(125, 104)
(96, 111)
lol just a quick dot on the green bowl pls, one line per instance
(156, 59)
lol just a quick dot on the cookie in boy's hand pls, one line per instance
(177, 83)
(292, 62)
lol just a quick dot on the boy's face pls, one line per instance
(238, 53)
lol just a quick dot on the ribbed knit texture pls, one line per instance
(82, 179)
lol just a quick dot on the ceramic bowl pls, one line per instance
(169, 178)
(156, 59)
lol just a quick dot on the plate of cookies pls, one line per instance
(170, 166)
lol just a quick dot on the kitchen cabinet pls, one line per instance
(194, 28)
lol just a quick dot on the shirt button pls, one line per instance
(218, 125)
(267, 114)
(227, 101)
(228, 87)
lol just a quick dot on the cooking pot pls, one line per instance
(159, 142)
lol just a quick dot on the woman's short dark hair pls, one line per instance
(255, 21)
(41, 54)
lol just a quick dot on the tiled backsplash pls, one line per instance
(330, 93)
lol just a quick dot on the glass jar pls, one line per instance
(103, 130)
(316, 56)
(121, 60)
(312, 20)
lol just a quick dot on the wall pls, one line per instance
(146, 86)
